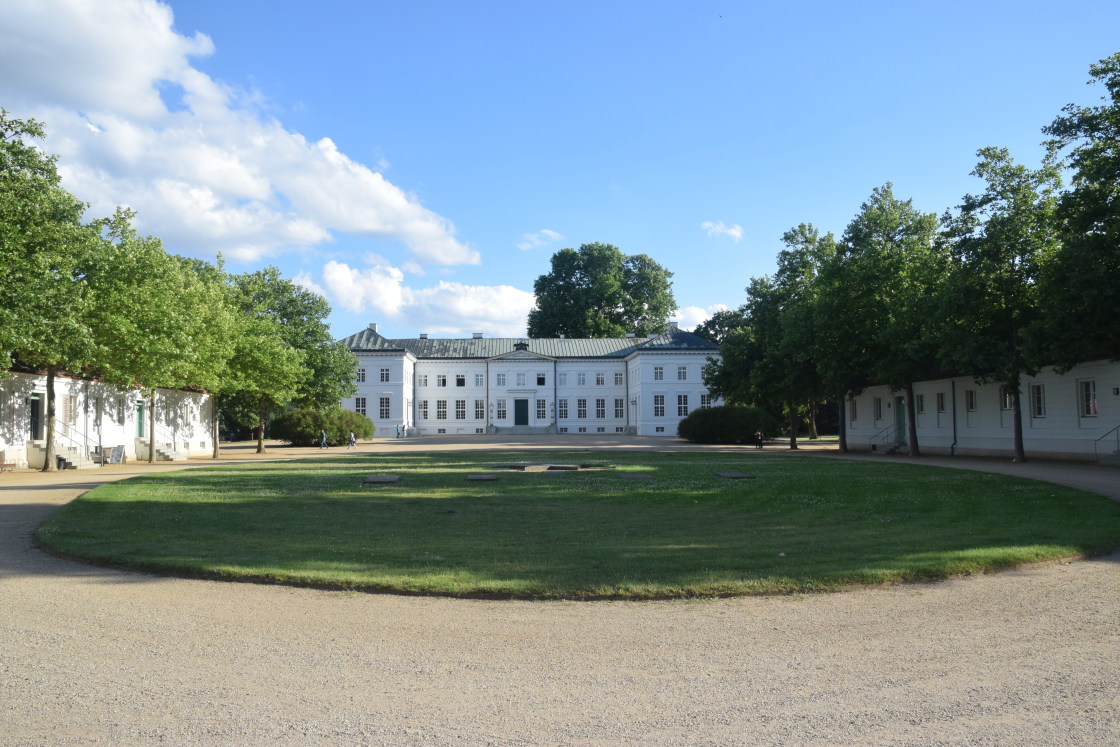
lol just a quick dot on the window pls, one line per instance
(877, 408)
(500, 379)
(659, 405)
(460, 409)
(360, 405)
(618, 378)
(480, 379)
(422, 380)
(619, 407)
(1087, 398)
(521, 379)
(441, 409)
(705, 401)
(682, 373)
(120, 410)
(383, 408)
(682, 405)
(441, 380)
(581, 408)
(460, 379)
(542, 409)
(562, 379)
(600, 408)
(540, 379)
(852, 412)
(658, 373)
(1038, 401)
(562, 409)
(361, 375)
(1006, 399)
(501, 415)
(941, 401)
(920, 403)
(423, 409)
(479, 409)
(600, 379)
(970, 400)
(659, 429)
(581, 379)
(384, 375)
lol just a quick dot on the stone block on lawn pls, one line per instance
(381, 480)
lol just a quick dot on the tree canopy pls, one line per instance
(597, 291)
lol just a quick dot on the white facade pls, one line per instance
(93, 417)
(1075, 415)
(643, 386)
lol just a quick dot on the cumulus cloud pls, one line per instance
(449, 308)
(136, 124)
(691, 316)
(719, 229)
(543, 237)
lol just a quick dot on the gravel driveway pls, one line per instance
(89, 655)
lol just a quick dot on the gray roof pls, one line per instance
(369, 341)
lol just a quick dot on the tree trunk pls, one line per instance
(793, 423)
(152, 429)
(911, 421)
(260, 431)
(843, 425)
(1017, 418)
(214, 425)
(49, 464)
(813, 435)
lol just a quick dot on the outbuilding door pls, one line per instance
(521, 412)
(903, 434)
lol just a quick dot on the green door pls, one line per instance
(900, 420)
(139, 419)
(521, 412)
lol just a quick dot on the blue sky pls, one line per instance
(418, 163)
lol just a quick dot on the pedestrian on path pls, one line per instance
(353, 441)
(322, 439)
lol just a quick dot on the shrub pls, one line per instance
(301, 427)
(729, 424)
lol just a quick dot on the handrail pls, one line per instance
(1115, 432)
(888, 431)
(1106, 435)
(82, 446)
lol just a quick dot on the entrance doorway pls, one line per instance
(521, 412)
(900, 420)
(140, 419)
(35, 430)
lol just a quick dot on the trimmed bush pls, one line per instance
(301, 427)
(729, 424)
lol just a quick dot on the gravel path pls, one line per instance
(90, 655)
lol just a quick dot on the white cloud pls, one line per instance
(135, 124)
(536, 240)
(448, 308)
(691, 316)
(719, 229)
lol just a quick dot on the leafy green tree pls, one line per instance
(880, 292)
(44, 295)
(719, 326)
(598, 291)
(1081, 286)
(1000, 242)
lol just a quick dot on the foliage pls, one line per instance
(301, 426)
(598, 291)
(1081, 286)
(728, 424)
(719, 326)
(801, 524)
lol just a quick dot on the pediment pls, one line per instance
(521, 355)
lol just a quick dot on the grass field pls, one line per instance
(801, 524)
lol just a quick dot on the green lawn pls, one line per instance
(801, 524)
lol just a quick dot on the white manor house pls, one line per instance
(631, 385)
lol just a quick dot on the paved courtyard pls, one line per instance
(92, 655)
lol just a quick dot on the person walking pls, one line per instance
(758, 439)
(322, 439)
(353, 441)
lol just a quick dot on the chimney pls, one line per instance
(561, 335)
(630, 334)
(373, 327)
(477, 335)
(423, 335)
(673, 327)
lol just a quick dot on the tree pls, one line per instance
(1000, 241)
(719, 326)
(598, 291)
(879, 295)
(1081, 286)
(44, 295)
